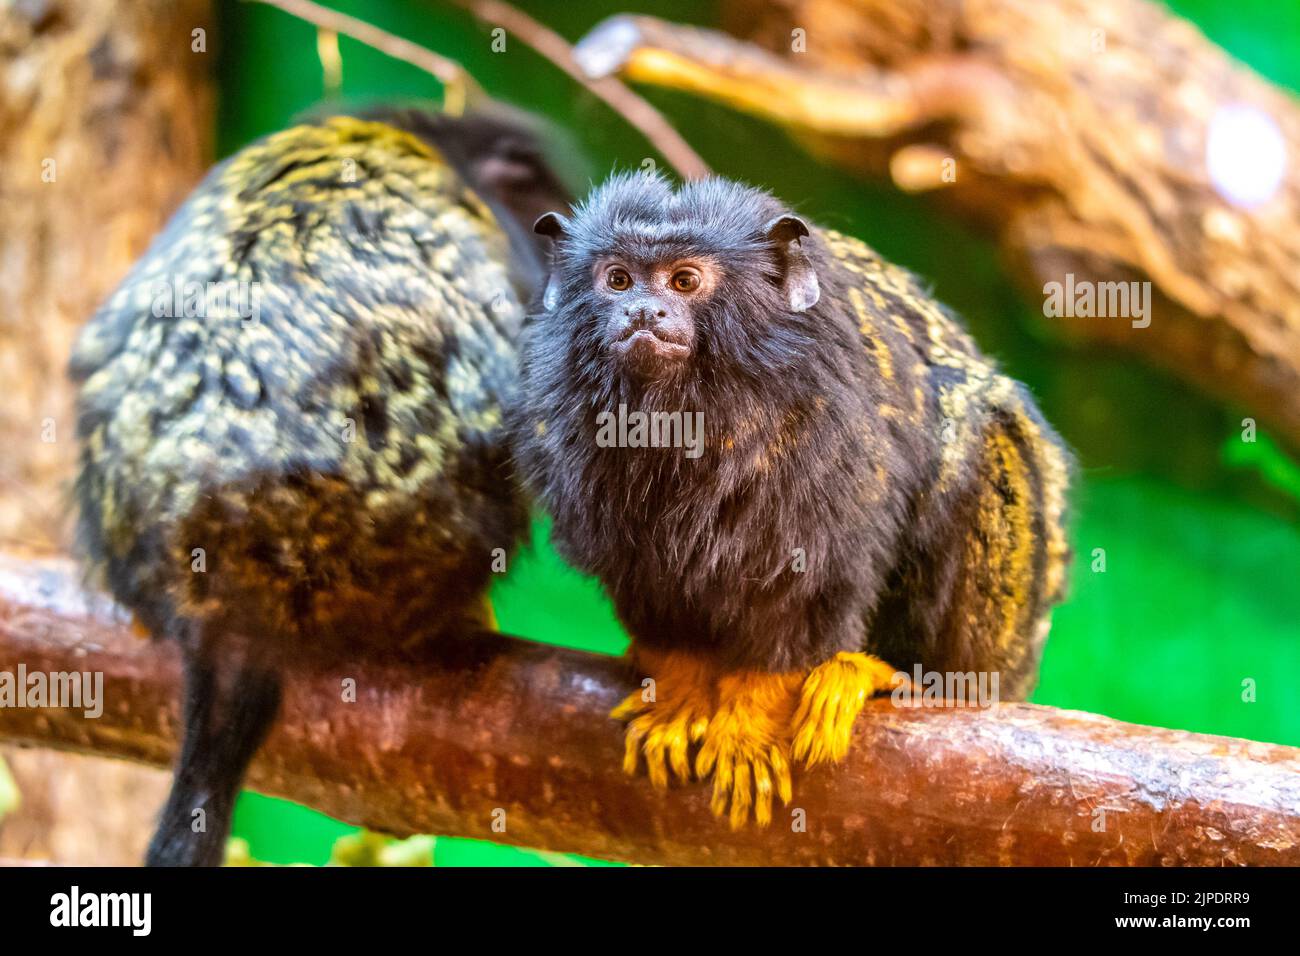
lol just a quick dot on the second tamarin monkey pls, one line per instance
(290, 417)
(871, 494)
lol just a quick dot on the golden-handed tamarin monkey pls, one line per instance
(290, 416)
(870, 494)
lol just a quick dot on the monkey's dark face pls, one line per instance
(654, 287)
(649, 307)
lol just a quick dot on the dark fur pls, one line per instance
(799, 454)
(201, 432)
(505, 156)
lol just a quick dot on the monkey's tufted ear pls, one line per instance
(799, 279)
(555, 226)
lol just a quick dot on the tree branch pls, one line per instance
(458, 85)
(505, 732)
(634, 108)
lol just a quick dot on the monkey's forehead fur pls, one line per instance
(641, 215)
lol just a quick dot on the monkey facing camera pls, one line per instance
(872, 495)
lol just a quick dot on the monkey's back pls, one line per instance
(990, 516)
(321, 456)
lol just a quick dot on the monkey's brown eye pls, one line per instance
(686, 280)
(618, 280)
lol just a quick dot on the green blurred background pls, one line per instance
(1201, 530)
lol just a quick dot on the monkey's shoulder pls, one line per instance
(339, 162)
(940, 380)
(892, 303)
(920, 358)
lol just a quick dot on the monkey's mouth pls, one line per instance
(646, 348)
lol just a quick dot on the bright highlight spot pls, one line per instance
(1245, 154)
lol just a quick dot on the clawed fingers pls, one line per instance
(745, 778)
(631, 749)
(632, 705)
(664, 735)
(747, 732)
(832, 697)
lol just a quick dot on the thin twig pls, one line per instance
(628, 104)
(456, 80)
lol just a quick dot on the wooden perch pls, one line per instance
(1078, 132)
(509, 740)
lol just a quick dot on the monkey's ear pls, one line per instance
(555, 226)
(799, 279)
(551, 224)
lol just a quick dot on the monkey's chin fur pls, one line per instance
(744, 728)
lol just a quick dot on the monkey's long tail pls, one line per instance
(231, 700)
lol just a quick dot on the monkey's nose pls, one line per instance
(641, 317)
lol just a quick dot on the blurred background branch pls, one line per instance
(459, 88)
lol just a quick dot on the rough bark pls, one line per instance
(1078, 131)
(509, 740)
